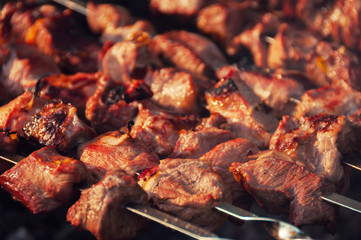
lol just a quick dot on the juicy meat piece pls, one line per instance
(184, 8)
(107, 16)
(274, 89)
(76, 88)
(155, 131)
(214, 120)
(187, 188)
(279, 185)
(58, 124)
(114, 150)
(315, 142)
(15, 115)
(223, 21)
(188, 51)
(66, 41)
(114, 104)
(47, 180)
(323, 62)
(130, 59)
(193, 144)
(254, 38)
(177, 91)
(24, 66)
(332, 100)
(238, 105)
(100, 209)
(222, 156)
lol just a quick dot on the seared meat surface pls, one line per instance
(58, 124)
(115, 150)
(193, 144)
(187, 188)
(222, 156)
(100, 209)
(238, 106)
(114, 104)
(188, 51)
(317, 143)
(280, 186)
(47, 180)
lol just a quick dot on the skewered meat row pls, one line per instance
(213, 113)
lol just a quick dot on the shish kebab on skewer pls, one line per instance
(78, 213)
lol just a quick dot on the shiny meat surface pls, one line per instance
(115, 150)
(47, 180)
(58, 124)
(184, 8)
(238, 106)
(188, 51)
(280, 186)
(222, 156)
(315, 142)
(193, 144)
(155, 131)
(187, 188)
(100, 209)
(332, 100)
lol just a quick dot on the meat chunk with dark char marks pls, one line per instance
(115, 150)
(280, 186)
(276, 90)
(58, 124)
(238, 105)
(47, 180)
(222, 156)
(188, 51)
(15, 115)
(114, 104)
(317, 143)
(101, 211)
(193, 144)
(188, 189)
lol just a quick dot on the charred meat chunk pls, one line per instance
(115, 150)
(222, 156)
(193, 144)
(15, 115)
(317, 143)
(47, 180)
(239, 106)
(188, 189)
(100, 208)
(58, 124)
(280, 186)
(114, 104)
(276, 90)
(188, 51)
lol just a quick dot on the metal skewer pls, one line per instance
(152, 214)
